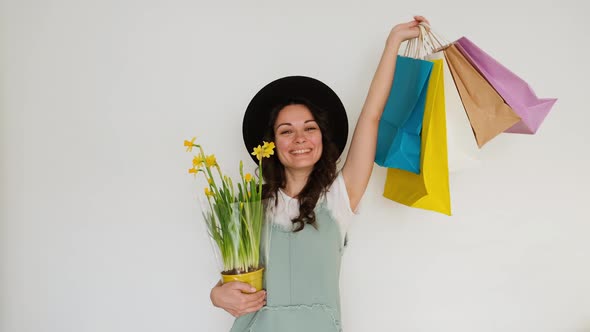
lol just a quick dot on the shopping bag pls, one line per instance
(461, 145)
(398, 136)
(430, 189)
(488, 114)
(513, 89)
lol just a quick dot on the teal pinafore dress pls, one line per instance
(302, 280)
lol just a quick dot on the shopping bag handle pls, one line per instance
(426, 43)
(415, 47)
(433, 41)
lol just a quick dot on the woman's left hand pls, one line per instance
(405, 31)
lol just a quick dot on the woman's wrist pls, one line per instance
(393, 45)
(394, 41)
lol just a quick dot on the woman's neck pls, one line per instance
(296, 180)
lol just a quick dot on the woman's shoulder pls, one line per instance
(336, 196)
(337, 202)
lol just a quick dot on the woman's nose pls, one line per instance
(299, 138)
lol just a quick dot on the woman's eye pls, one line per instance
(310, 128)
(285, 132)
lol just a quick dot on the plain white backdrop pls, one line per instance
(100, 229)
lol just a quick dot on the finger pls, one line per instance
(261, 293)
(248, 300)
(421, 19)
(262, 298)
(251, 299)
(411, 23)
(253, 308)
(254, 304)
(241, 286)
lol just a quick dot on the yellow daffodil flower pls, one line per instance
(258, 152)
(193, 171)
(268, 149)
(210, 160)
(208, 192)
(248, 177)
(189, 144)
(198, 161)
(268, 145)
(267, 153)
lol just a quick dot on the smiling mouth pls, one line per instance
(301, 151)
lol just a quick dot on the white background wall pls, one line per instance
(100, 230)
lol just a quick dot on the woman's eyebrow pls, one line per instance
(290, 124)
(283, 124)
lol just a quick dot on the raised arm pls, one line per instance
(359, 162)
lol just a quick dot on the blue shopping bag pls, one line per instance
(398, 138)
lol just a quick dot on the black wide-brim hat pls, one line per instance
(256, 118)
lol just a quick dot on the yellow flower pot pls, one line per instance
(254, 278)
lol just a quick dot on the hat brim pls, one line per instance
(256, 118)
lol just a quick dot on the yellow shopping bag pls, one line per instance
(428, 190)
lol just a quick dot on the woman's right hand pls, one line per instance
(237, 298)
(405, 31)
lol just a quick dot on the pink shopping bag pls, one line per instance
(514, 90)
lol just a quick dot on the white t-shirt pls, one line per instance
(337, 202)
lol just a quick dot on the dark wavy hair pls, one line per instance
(321, 177)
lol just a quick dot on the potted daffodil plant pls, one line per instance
(233, 215)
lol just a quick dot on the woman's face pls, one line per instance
(298, 138)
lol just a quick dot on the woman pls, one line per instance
(312, 202)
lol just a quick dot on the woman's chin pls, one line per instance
(301, 163)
